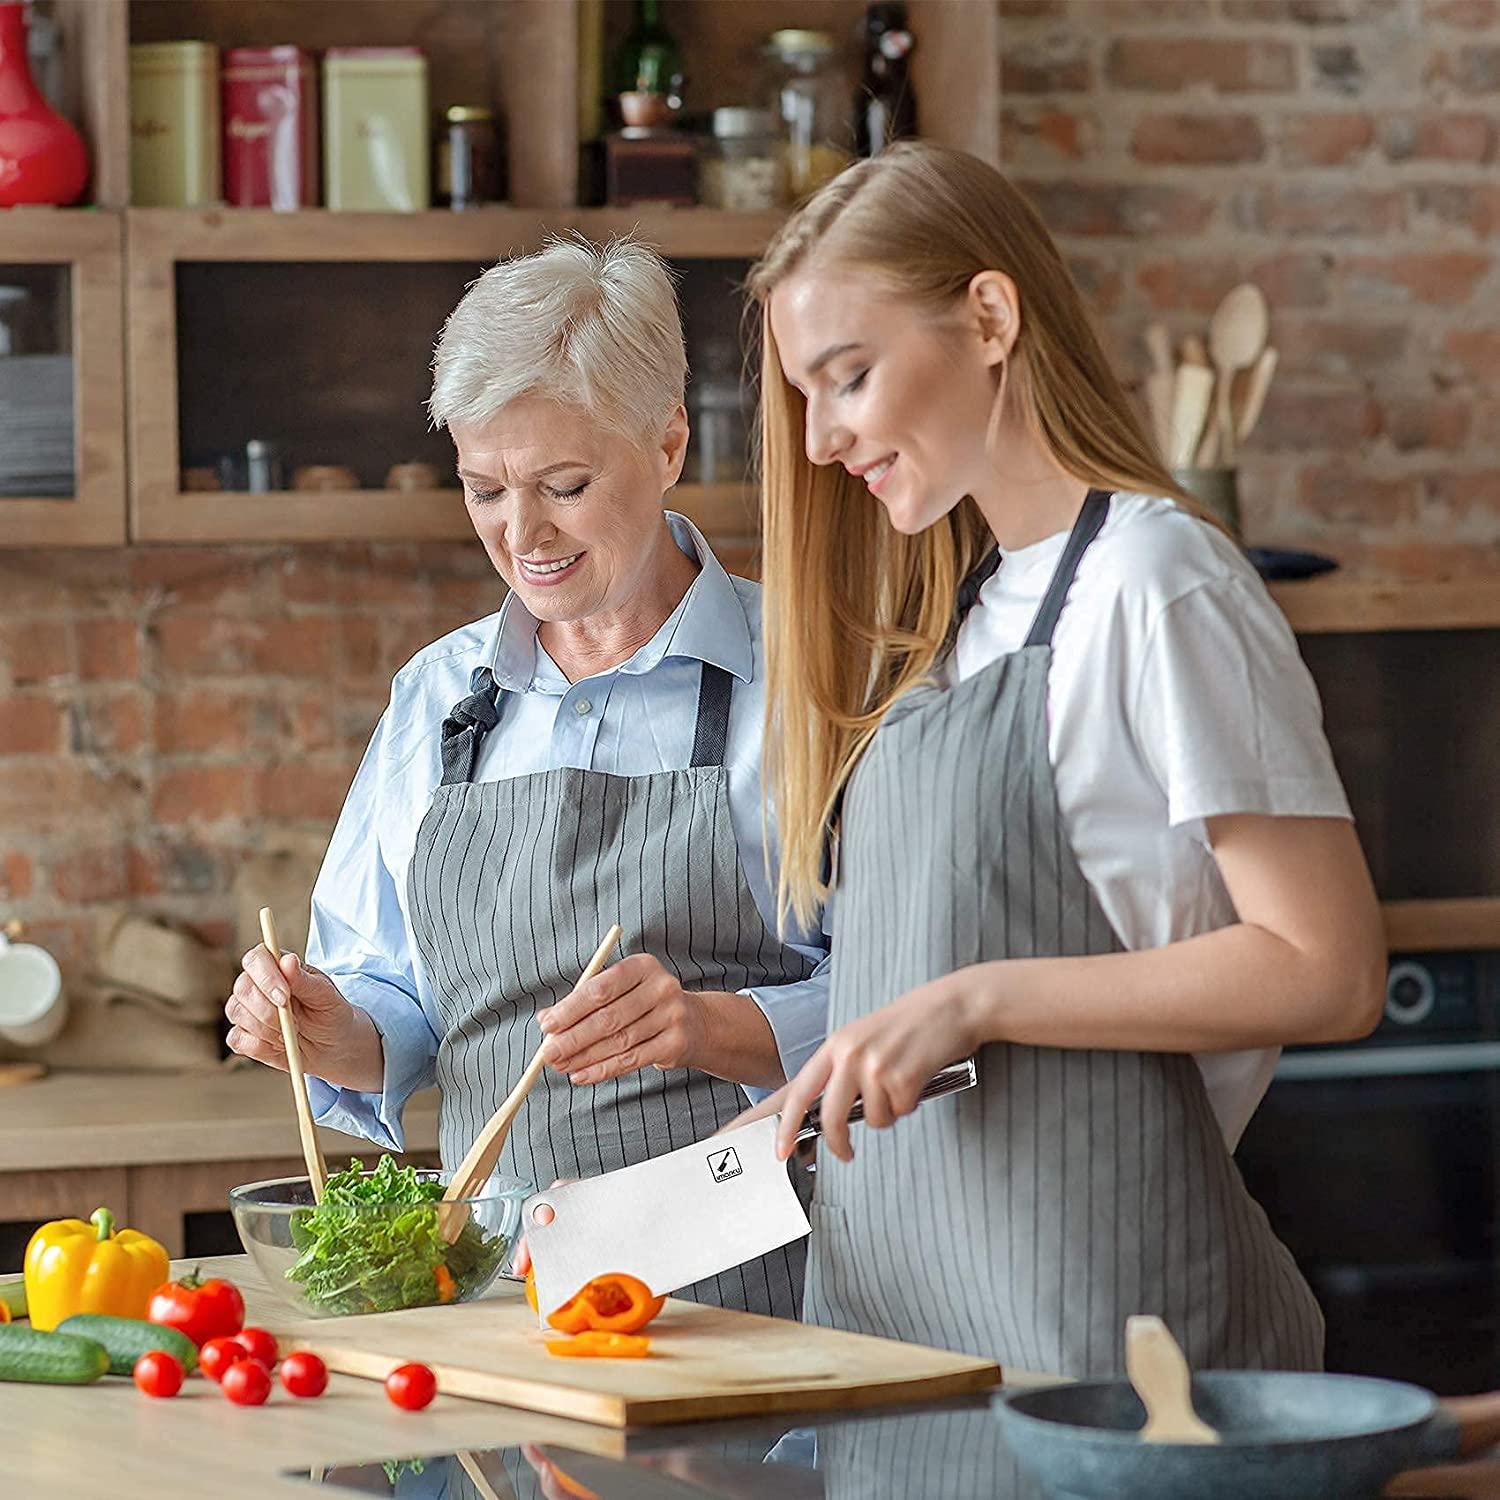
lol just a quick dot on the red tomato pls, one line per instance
(411, 1387)
(247, 1382)
(218, 1354)
(260, 1343)
(304, 1374)
(158, 1373)
(200, 1309)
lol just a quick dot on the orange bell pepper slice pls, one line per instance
(447, 1288)
(616, 1303)
(595, 1343)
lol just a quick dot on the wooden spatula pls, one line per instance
(1160, 1376)
(475, 1168)
(312, 1153)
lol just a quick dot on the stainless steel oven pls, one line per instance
(1379, 1165)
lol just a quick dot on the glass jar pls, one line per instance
(743, 166)
(468, 158)
(811, 93)
(719, 448)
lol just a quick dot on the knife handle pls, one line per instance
(950, 1080)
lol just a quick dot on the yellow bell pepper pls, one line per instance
(73, 1267)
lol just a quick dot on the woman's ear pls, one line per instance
(674, 443)
(995, 306)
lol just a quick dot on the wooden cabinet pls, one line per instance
(68, 263)
(177, 287)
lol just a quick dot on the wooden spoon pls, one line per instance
(480, 1160)
(1236, 336)
(312, 1153)
(1160, 1376)
(1192, 391)
(1257, 384)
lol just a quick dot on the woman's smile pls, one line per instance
(548, 573)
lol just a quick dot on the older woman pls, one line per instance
(588, 755)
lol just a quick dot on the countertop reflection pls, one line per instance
(945, 1451)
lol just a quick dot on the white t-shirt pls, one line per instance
(1176, 693)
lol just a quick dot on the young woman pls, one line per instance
(1082, 816)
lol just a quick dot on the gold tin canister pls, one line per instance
(375, 129)
(174, 124)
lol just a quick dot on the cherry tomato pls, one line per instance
(218, 1354)
(158, 1373)
(260, 1343)
(200, 1309)
(304, 1374)
(247, 1382)
(411, 1387)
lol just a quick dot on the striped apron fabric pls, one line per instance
(1025, 1219)
(513, 883)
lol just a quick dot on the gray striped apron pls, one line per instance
(1025, 1219)
(512, 885)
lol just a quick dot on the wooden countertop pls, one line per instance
(200, 1443)
(134, 1119)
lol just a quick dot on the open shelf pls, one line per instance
(721, 510)
(1431, 926)
(1338, 603)
(481, 234)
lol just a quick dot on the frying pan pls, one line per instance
(1291, 1436)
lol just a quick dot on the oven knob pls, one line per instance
(1410, 994)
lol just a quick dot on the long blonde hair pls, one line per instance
(855, 612)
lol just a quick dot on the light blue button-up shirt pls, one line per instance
(636, 719)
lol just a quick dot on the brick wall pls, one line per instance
(164, 712)
(1344, 155)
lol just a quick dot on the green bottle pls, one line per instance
(650, 61)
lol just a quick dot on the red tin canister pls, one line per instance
(270, 112)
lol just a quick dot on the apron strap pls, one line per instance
(1090, 519)
(711, 737)
(465, 728)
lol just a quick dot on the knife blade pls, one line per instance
(685, 1215)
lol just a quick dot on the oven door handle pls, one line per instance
(1390, 1062)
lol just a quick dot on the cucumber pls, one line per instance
(13, 1295)
(49, 1358)
(126, 1339)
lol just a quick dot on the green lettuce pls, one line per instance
(356, 1259)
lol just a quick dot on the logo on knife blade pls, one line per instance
(725, 1164)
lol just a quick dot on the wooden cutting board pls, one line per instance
(705, 1362)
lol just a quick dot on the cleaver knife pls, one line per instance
(687, 1214)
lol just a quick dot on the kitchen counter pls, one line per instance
(72, 1443)
(68, 1120)
(156, 1147)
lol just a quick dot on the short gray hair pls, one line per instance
(590, 327)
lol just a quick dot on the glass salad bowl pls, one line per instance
(375, 1242)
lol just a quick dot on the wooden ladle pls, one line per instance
(1236, 335)
(475, 1168)
(1159, 1373)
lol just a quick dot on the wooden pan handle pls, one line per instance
(1478, 1419)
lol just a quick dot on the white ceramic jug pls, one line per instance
(32, 1005)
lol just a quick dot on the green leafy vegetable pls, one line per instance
(373, 1245)
(396, 1467)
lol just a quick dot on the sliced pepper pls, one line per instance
(74, 1267)
(616, 1303)
(446, 1287)
(595, 1343)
